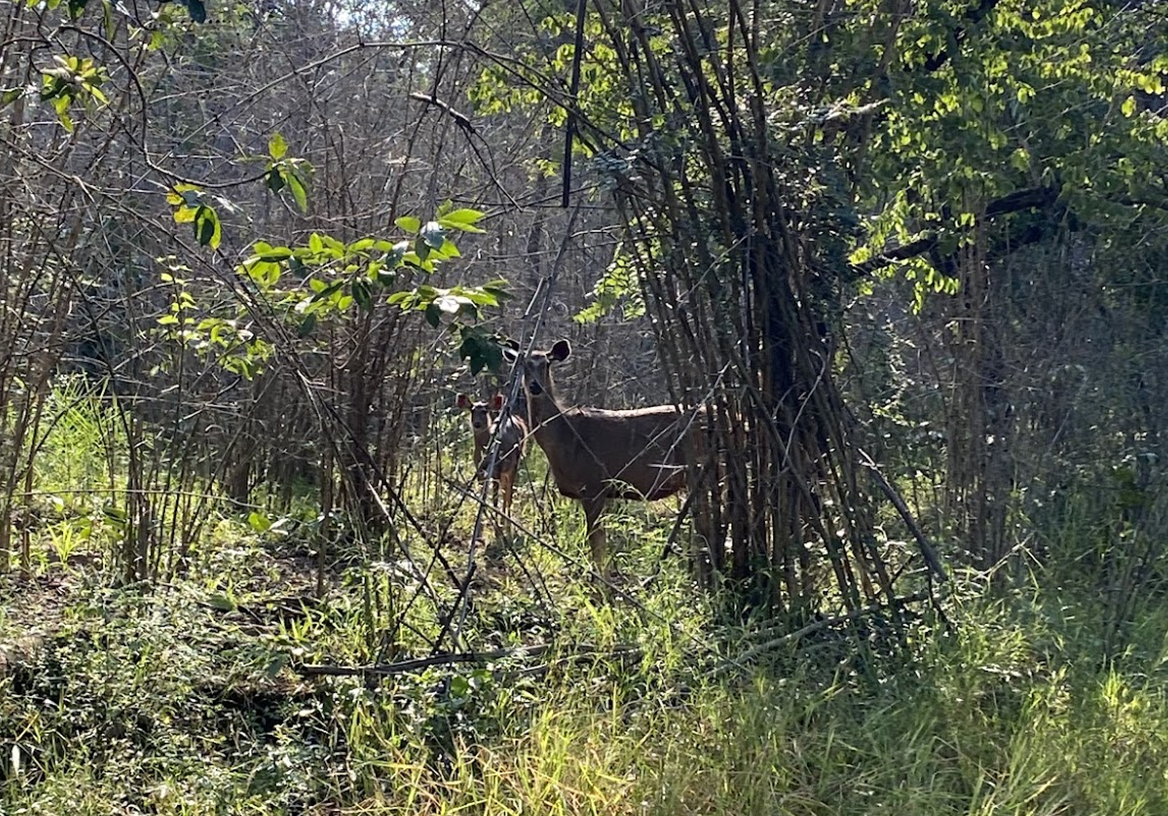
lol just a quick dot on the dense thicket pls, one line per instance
(912, 253)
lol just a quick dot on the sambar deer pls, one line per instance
(512, 443)
(596, 455)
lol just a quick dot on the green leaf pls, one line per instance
(259, 522)
(433, 315)
(277, 147)
(459, 686)
(207, 229)
(307, 325)
(276, 254)
(361, 294)
(222, 602)
(479, 349)
(11, 95)
(263, 273)
(464, 216)
(298, 189)
(76, 8)
(189, 195)
(421, 249)
(327, 291)
(433, 235)
(397, 253)
(412, 259)
(1129, 107)
(61, 106)
(464, 219)
(408, 223)
(275, 180)
(197, 10)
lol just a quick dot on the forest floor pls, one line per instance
(198, 696)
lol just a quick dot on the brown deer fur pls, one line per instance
(596, 455)
(512, 443)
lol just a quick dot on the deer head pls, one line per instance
(480, 412)
(537, 374)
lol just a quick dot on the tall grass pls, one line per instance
(156, 702)
(185, 699)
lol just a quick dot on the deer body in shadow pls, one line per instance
(512, 444)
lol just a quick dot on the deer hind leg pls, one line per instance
(593, 510)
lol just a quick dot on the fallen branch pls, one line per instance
(930, 555)
(405, 666)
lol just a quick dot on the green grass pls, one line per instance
(183, 698)
(159, 702)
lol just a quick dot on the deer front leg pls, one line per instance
(494, 507)
(507, 479)
(593, 509)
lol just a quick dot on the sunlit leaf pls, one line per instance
(277, 147)
(259, 522)
(464, 219)
(207, 228)
(408, 223)
(299, 191)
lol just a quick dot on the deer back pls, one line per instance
(637, 454)
(512, 443)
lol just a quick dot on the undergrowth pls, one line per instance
(160, 701)
(196, 694)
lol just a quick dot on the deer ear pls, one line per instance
(561, 351)
(497, 402)
(462, 401)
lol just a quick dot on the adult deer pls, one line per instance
(512, 443)
(596, 455)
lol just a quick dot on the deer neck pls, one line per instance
(482, 438)
(547, 416)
